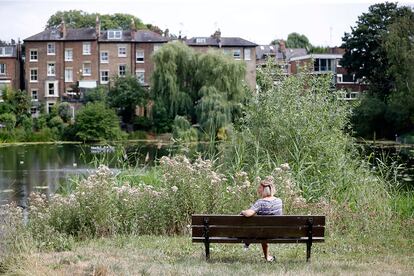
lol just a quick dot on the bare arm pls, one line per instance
(248, 213)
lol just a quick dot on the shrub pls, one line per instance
(183, 131)
(8, 120)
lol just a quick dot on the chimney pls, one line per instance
(62, 29)
(133, 28)
(217, 36)
(97, 27)
(282, 46)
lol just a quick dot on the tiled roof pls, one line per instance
(149, 36)
(225, 42)
(264, 51)
(71, 34)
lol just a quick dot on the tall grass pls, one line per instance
(300, 120)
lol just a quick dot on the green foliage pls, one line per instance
(142, 123)
(125, 94)
(81, 19)
(183, 131)
(98, 94)
(95, 122)
(368, 118)
(295, 40)
(319, 49)
(207, 87)
(64, 111)
(364, 52)
(8, 120)
(301, 122)
(379, 50)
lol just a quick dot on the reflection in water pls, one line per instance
(44, 167)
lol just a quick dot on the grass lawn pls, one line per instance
(160, 255)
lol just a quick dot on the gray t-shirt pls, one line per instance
(268, 207)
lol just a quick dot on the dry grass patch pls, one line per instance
(150, 255)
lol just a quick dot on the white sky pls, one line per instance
(323, 22)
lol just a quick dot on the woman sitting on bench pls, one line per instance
(266, 205)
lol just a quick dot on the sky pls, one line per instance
(323, 22)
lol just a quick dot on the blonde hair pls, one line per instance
(268, 187)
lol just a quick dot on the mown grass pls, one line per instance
(161, 255)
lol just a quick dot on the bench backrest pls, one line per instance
(257, 227)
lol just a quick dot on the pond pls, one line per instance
(43, 167)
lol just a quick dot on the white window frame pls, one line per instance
(86, 48)
(200, 40)
(30, 55)
(68, 54)
(120, 52)
(339, 78)
(51, 69)
(234, 53)
(101, 76)
(140, 56)
(247, 54)
(34, 95)
(51, 49)
(69, 74)
(140, 75)
(55, 89)
(101, 57)
(86, 72)
(3, 68)
(119, 70)
(114, 34)
(31, 70)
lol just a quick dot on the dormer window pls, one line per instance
(114, 34)
(6, 51)
(200, 40)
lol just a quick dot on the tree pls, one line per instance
(96, 122)
(207, 88)
(81, 19)
(98, 94)
(296, 40)
(64, 111)
(125, 95)
(364, 54)
(399, 47)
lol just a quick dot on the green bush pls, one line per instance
(183, 131)
(8, 120)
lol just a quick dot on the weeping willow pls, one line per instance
(207, 88)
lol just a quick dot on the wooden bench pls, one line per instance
(258, 229)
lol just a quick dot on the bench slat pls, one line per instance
(257, 231)
(237, 240)
(257, 220)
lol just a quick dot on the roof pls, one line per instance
(225, 42)
(90, 34)
(8, 45)
(149, 36)
(313, 56)
(264, 51)
(71, 34)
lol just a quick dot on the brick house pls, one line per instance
(10, 57)
(279, 54)
(57, 62)
(238, 48)
(328, 63)
(62, 64)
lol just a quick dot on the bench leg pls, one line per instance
(308, 251)
(207, 246)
